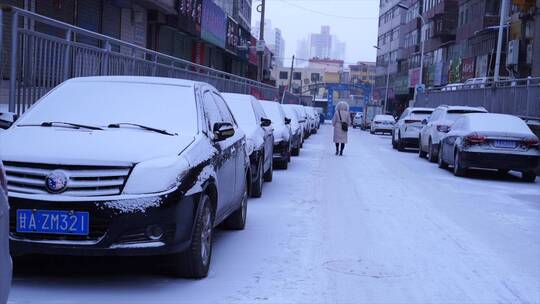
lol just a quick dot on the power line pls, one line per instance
(326, 14)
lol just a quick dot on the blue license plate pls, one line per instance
(505, 144)
(53, 222)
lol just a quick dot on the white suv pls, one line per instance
(437, 125)
(406, 130)
(5, 259)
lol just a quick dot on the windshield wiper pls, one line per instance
(160, 131)
(60, 123)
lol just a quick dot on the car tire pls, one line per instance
(459, 170)
(257, 185)
(528, 176)
(295, 151)
(394, 145)
(431, 152)
(282, 164)
(237, 219)
(269, 174)
(440, 161)
(421, 152)
(194, 262)
(371, 132)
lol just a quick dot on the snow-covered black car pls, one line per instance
(252, 119)
(490, 141)
(5, 258)
(126, 166)
(296, 128)
(282, 133)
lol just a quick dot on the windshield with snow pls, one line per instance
(456, 114)
(243, 112)
(165, 107)
(273, 112)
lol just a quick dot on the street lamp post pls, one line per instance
(387, 81)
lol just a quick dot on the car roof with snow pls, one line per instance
(237, 97)
(493, 122)
(421, 109)
(137, 79)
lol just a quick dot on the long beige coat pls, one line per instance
(340, 136)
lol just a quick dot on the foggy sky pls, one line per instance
(298, 18)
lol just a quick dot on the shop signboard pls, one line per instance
(414, 77)
(454, 72)
(467, 68)
(481, 66)
(213, 24)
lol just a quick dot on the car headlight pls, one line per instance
(157, 175)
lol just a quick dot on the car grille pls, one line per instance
(83, 181)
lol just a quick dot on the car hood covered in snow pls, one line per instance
(82, 147)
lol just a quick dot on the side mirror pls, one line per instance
(265, 122)
(223, 130)
(424, 122)
(7, 119)
(287, 121)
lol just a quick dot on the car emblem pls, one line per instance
(56, 181)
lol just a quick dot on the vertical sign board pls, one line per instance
(481, 66)
(189, 16)
(233, 35)
(213, 24)
(467, 68)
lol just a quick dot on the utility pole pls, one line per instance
(502, 21)
(290, 76)
(261, 8)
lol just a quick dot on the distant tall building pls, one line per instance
(321, 45)
(273, 38)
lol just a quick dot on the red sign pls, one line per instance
(252, 52)
(198, 53)
(414, 77)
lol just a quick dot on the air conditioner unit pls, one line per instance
(513, 52)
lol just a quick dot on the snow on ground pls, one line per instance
(373, 226)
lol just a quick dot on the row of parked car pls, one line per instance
(465, 137)
(469, 137)
(139, 166)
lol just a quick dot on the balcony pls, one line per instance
(445, 7)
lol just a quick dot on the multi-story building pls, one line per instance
(362, 71)
(302, 78)
(320, 44)
(273, 39)
(389, 49)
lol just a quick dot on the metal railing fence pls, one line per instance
(520, 97)
(39, 60)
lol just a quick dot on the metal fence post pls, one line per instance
(66, 55)
(107, 47)
(154, 67)
(13, 64)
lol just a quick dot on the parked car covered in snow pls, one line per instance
(357, 120)
(252, 119)
(303, 120)
(282, 133)
(407, 128)
(5, 258)
(437, 125)
(296, 129)
(382, 123)
(126, 166)
(490, 141)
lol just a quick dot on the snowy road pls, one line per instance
(373, 226)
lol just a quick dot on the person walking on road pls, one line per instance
(341, 123)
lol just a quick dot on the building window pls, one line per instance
(315, 77)
(297, 76)
(283, 75)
